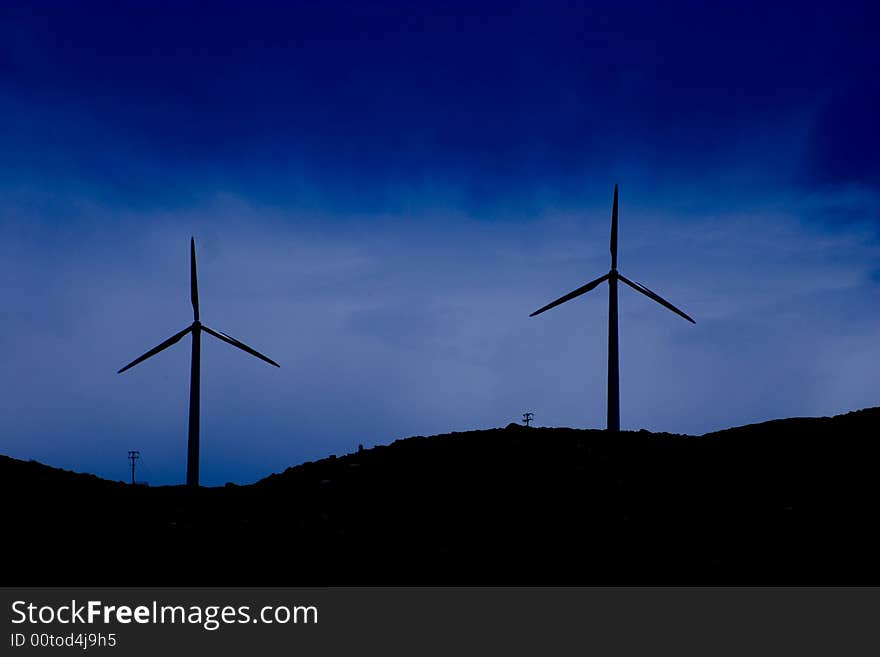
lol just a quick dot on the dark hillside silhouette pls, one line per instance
(783, 502)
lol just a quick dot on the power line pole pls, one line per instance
(527, 417)
(133, 456)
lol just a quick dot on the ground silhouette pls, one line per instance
(782, 502)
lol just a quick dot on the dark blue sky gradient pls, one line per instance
(356, 99)
(398, 185)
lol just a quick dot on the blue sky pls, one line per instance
(382, 192)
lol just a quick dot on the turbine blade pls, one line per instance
(614, 230)
(571, 295)
(238, 343)
(155, 350)
(193, 279)
(638, 287)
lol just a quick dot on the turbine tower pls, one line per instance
(613, 356)
(196, 328)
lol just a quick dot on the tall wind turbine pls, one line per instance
(196, 328)
(612, 277)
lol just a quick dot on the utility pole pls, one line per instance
(133, 455)
(527, 417)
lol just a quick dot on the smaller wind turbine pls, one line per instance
(196, 328)
(613, 358)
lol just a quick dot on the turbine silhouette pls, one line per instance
(613, 357)
(196, 328)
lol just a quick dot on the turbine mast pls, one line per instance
(613, 423)
(192, 447)
(613, 356)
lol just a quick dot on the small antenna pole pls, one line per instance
(133, 456)
(527, 417)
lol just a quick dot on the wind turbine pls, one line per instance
(612, 277)
(196, 328)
